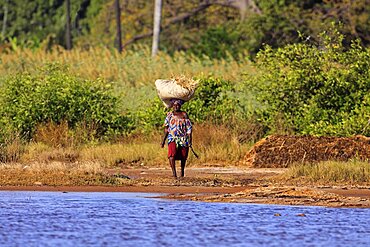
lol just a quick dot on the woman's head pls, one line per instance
(176, 104)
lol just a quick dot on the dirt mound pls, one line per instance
(283, 150)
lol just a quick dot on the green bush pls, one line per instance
(213, 101)
(53, 95)
(318, 90)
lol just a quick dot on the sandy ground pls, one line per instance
(224, 184)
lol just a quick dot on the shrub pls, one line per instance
(53, 95)
(319, 90)
(213, 101)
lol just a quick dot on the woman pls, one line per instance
(178, 131)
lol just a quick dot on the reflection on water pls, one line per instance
(131, 219)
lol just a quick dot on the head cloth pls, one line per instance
(178, 101)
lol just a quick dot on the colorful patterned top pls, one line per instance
(179, 129)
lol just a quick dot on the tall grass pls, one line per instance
(132, 72)
(130, 68)
(218, 144)
(330, 172)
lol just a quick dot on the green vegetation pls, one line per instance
(52, 95)
(317, 90)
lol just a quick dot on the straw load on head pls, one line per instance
(179, 87)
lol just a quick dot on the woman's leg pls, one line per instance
(171, 157)
(184, 155)
(172, 164)
(183, 162)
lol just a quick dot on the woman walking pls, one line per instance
(178, 131)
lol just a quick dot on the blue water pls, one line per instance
(133, 219)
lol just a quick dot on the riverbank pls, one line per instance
(223, 184)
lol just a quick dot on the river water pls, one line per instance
(136, 219)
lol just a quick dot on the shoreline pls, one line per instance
(140, 189)
(294, 196)
(221, 184)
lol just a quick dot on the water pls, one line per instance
(132, 219)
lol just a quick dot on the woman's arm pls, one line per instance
(189, 128)
(164, 137)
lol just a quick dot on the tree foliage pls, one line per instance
(215, 30)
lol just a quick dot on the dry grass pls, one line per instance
(213, 144)
(331, 172)
(61, 135)
(41, 153)
(11, 148)
(218, 144)
(57, 173)
(54, 135)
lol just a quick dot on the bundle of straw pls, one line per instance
(185, 82)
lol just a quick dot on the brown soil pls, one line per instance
(281, 150)
(226, 184)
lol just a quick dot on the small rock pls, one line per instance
(277, 214)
